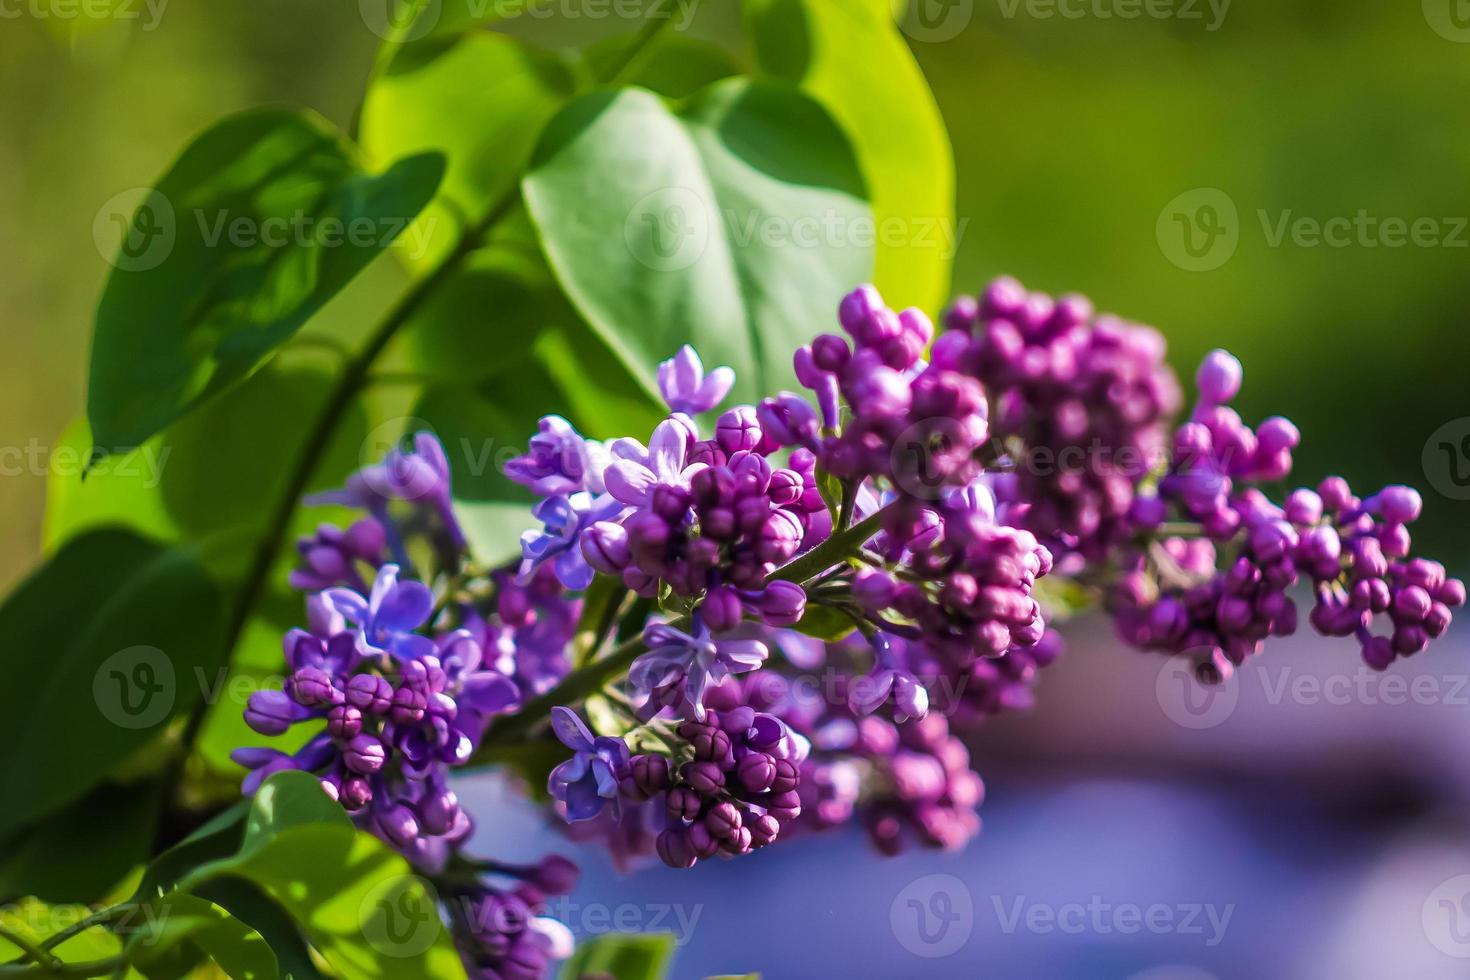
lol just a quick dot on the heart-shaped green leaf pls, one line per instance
(735, 224)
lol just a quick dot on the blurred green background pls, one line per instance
(1074, 139)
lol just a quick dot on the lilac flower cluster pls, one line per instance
(1084, 400)
(913, 514)
(399, 708)
(1355, 553)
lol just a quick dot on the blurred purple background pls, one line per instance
(1307, 822)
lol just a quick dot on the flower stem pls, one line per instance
(839, 547)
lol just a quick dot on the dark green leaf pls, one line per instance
(643, 956)
(852, 59)
(287, 949)
(103, 647)
(261, 220)
(63, 860)
(825, 623)
(729, 225)
(676, 67)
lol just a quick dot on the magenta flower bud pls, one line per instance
(1378, 653)
(355, 793)
(272, 712)
(721, 609)
(857, 307)
(1304, 507)
(344, 721)
(409, 705)
(704, 778)
(398, 825)
(1219, 377)
(674, 850)
(764, 830)
(756, 772)
(704, 843)
(1452, 593)
(1398, 504)
(785, 807)
(365, 754)
(917, 323)
(723, 820)
(1277, 435)
(605, 546)
(671, 503)
(830, 352)
(738, 430)
(313, 687)
(1409, 640)
(369, 693)
(647, 776)
(788, 419)
(366, 539)
(682, 803)
(786, 487)
(438, 812)
(738, 843)
(780, 537)
(555, 875)
(1411, 604)
(710, 744)
(780, 604)
(787, 777)
(1335, 493)
(874, 589)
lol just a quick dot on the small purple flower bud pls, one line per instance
(344, 721)
(780, 537)
(787, 777)
(366, 539)
(398, 825)
(723, 820)
(647, 776)
(409, 705)
(1398, 504)
(674, 850)
(704, 843)
(355, 793)
(682, 803)
(1219, 377)
(764, 830)
(369, 693)
(704, 778)
(365, 754)
(313, 687)
(785, 807)
(605, 546)
(555, 875)
(271, 712)
(781, 604)
(721, 609)
(830, 352)
(857, 307)
(438, 812)
(738, 430)
(757, 772)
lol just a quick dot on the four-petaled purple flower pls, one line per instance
(589, 779)
(666, 464)
(387, 619)
(560, 461)
(685, 386)
(679, 666)
(564, 519)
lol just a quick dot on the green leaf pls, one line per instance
(261, 220)
(726, 225)
(268, 922)
(63, 860)
(825, 623)
(852, 58)
(103, 646)
(480, 99)
(355, 901)
(676, 67)
(641, 956)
